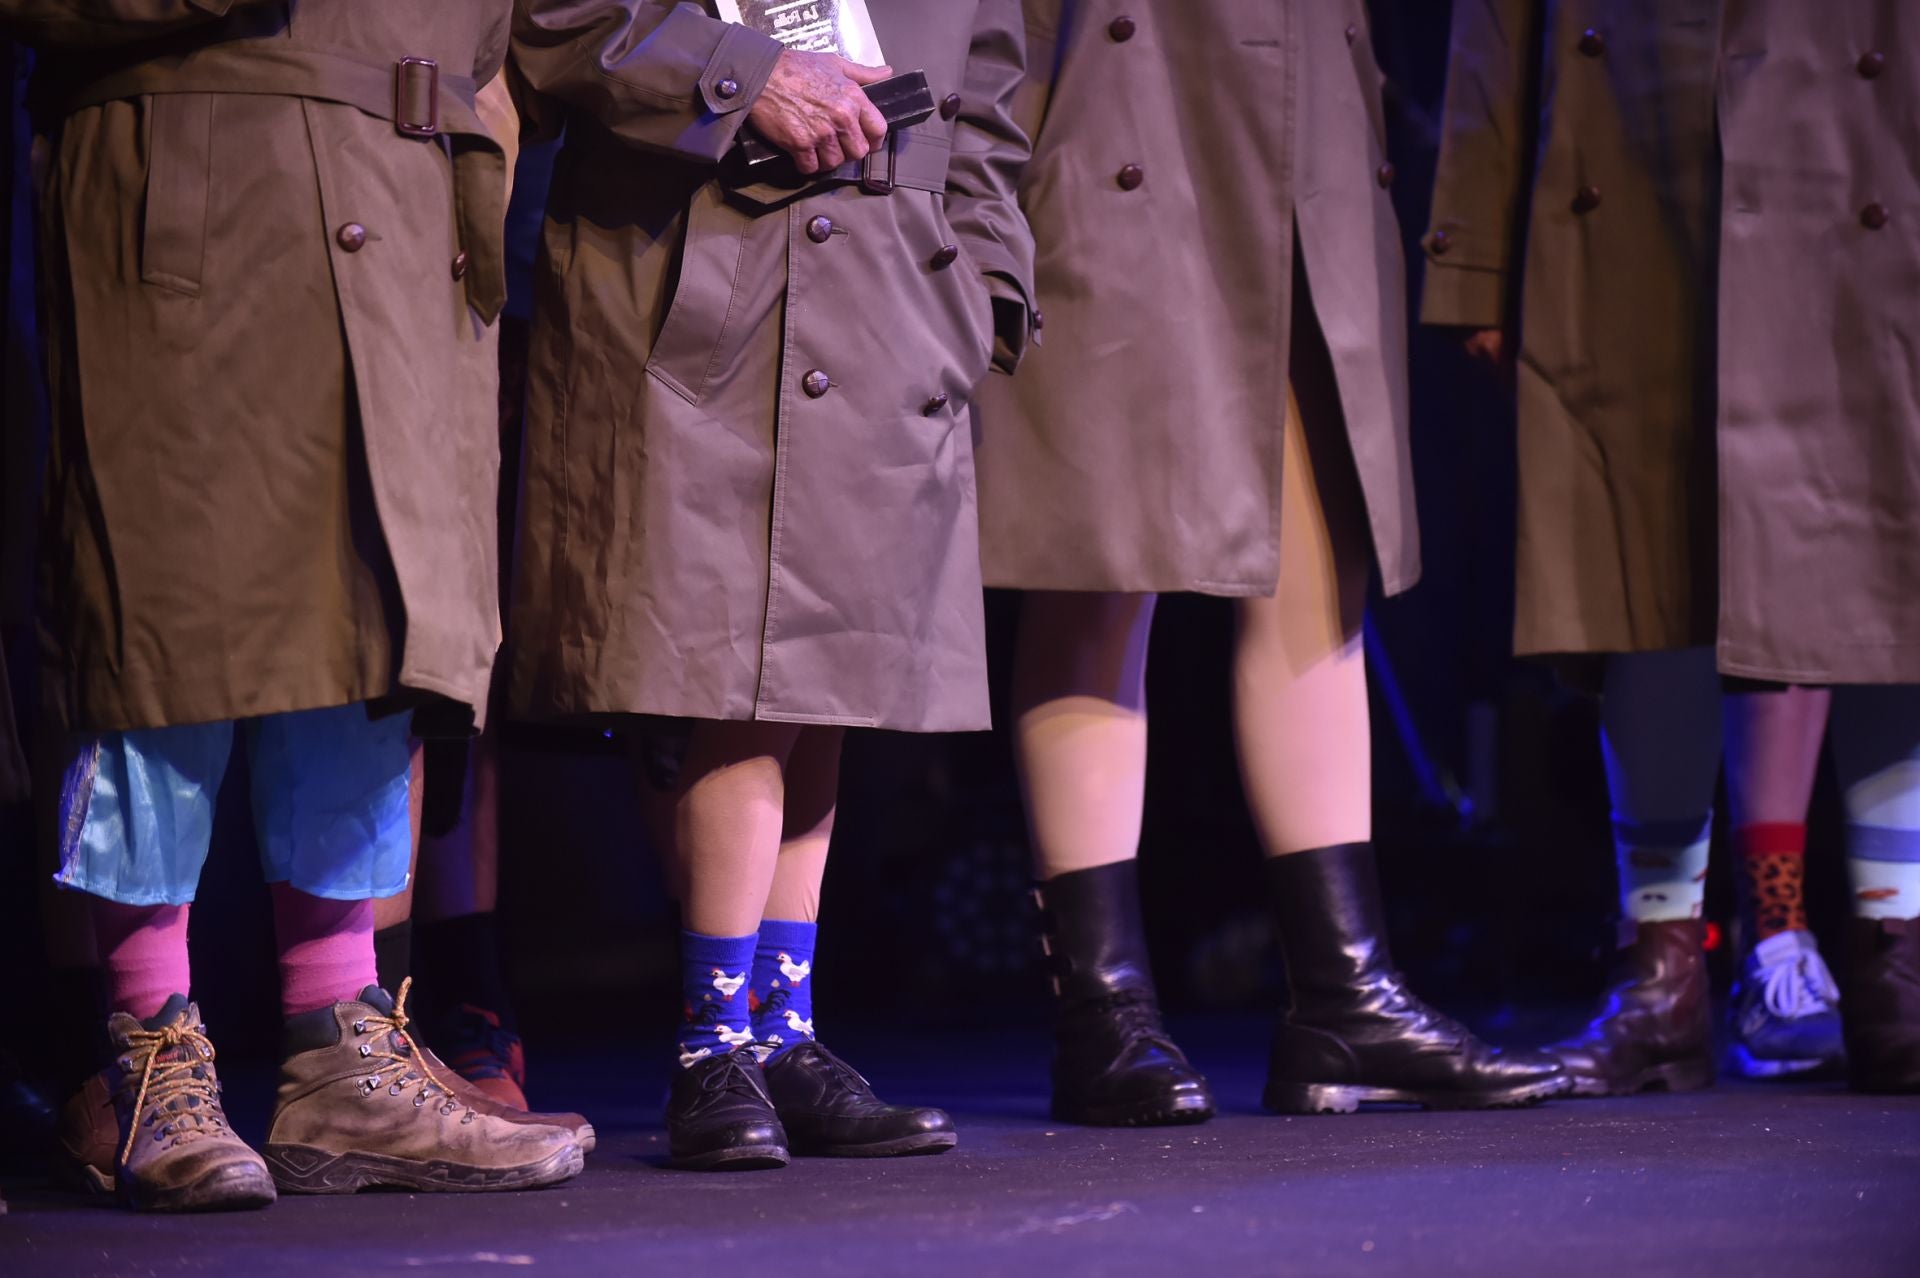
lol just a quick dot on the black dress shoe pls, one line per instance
(1355, 1033)
(719, 1117)
(829, 1109)
(1113, 1064)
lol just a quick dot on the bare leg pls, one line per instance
(727, 822)
(812, 795)
(1080, 733)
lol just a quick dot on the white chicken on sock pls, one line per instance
(795, 972)
(728, 985)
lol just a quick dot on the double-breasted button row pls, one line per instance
(816, 383)
(352, 237)
(820, 229)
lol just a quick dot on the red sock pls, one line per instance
(143, 949)
(1772, 859)
(326, 949)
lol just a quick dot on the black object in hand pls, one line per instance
(904, 100)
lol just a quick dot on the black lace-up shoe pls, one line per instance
(720, 1118)
(829, 1109)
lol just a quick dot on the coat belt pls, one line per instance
(423, 103)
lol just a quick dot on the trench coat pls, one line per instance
(271, 248)
(749, 486)
(1719, 426)
(1183, 153)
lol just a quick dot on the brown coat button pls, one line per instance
(1384, 175)
(1439, 242)
(1592, 43)
(1353, 33)
(934, 404)
(460, 265)
(816, 383)
(1871, 65)
(819, 228)
(1586, 199)
(946, 257)
(949, 106)
(1121, 29)
(1039, 321)
(727, 89)
(1875, 216)
(1130, 177)
(351, 237)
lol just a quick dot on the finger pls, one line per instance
(872, 123)
(807, 160)
(859, 74)
(831, 156)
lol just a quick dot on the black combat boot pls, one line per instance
(1654, 1029)
(1113, 1064)
(1355, 1033)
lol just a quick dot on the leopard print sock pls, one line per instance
(1772, 872)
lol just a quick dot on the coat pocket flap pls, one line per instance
(173, 237)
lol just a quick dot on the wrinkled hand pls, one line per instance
(813, 109)
(1488, 346)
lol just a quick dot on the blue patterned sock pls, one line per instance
(783, 985)
(713, 976)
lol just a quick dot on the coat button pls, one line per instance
(1592, 43)
(1039, 321)
(948, 254)
(949, 106)
(934, 404)
(1353, 33)
(1871, 65)
(1121, 29)
(460, 265)
(819, 229)
(1384, 175)
(816, 383)
(351, 237)
(1440, 242)
(727, 89)
(1875, 216)
(1586, 199)
(1130, 177)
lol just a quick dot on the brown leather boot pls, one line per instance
(361, 1104)
(1655, 1029)
(87, 1138)
(176, 1151)
(1881, 1012)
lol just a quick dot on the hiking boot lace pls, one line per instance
(187, 1078)
(389, 1032)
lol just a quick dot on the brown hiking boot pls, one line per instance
(176, 1151)
(1655, 1030)
(1882, 1008)
(361, 1104)
(87, 1138)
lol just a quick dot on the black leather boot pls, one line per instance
(1881, 1011)
(1355, 1033)
(1654, 1031)
(829, 1108)
(1113, 1064)
(720, 1118)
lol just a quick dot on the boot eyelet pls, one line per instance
(394, 1090)
(467, 1118)
(359, 1027)
(366, 1049)
(419, 1101)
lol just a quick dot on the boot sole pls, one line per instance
(738, 1158)
(1183, 1112)
(245, 1188)
(302, 1169)
(1347, 1098)
(901, 1147)
(1674, 1076)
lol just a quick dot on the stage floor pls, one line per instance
(1743, 1180)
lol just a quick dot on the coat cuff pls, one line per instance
(1463, 296)
(739, 69)
(1016, 324)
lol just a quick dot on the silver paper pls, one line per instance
(813, 26)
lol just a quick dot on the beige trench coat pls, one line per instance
(1180, 147)
(749, 475)
(1719, 421)
(274, 464)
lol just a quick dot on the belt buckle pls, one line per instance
(870, 181)
(401, 73)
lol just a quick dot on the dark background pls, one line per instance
(1491, 811)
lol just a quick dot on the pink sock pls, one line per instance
(326, 949)
(144, 951)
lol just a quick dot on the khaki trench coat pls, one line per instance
(749, 475)
(274, 465)
(1597, 216)
(1181, 150)
(1719, 420)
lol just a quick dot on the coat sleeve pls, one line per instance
(76, 24)
(983, 178)
(1485, 143)
(651, 71)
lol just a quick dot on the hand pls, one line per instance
(1488, 346)
(813, 109)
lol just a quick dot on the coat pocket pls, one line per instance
(685, 352)
(173, 233)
